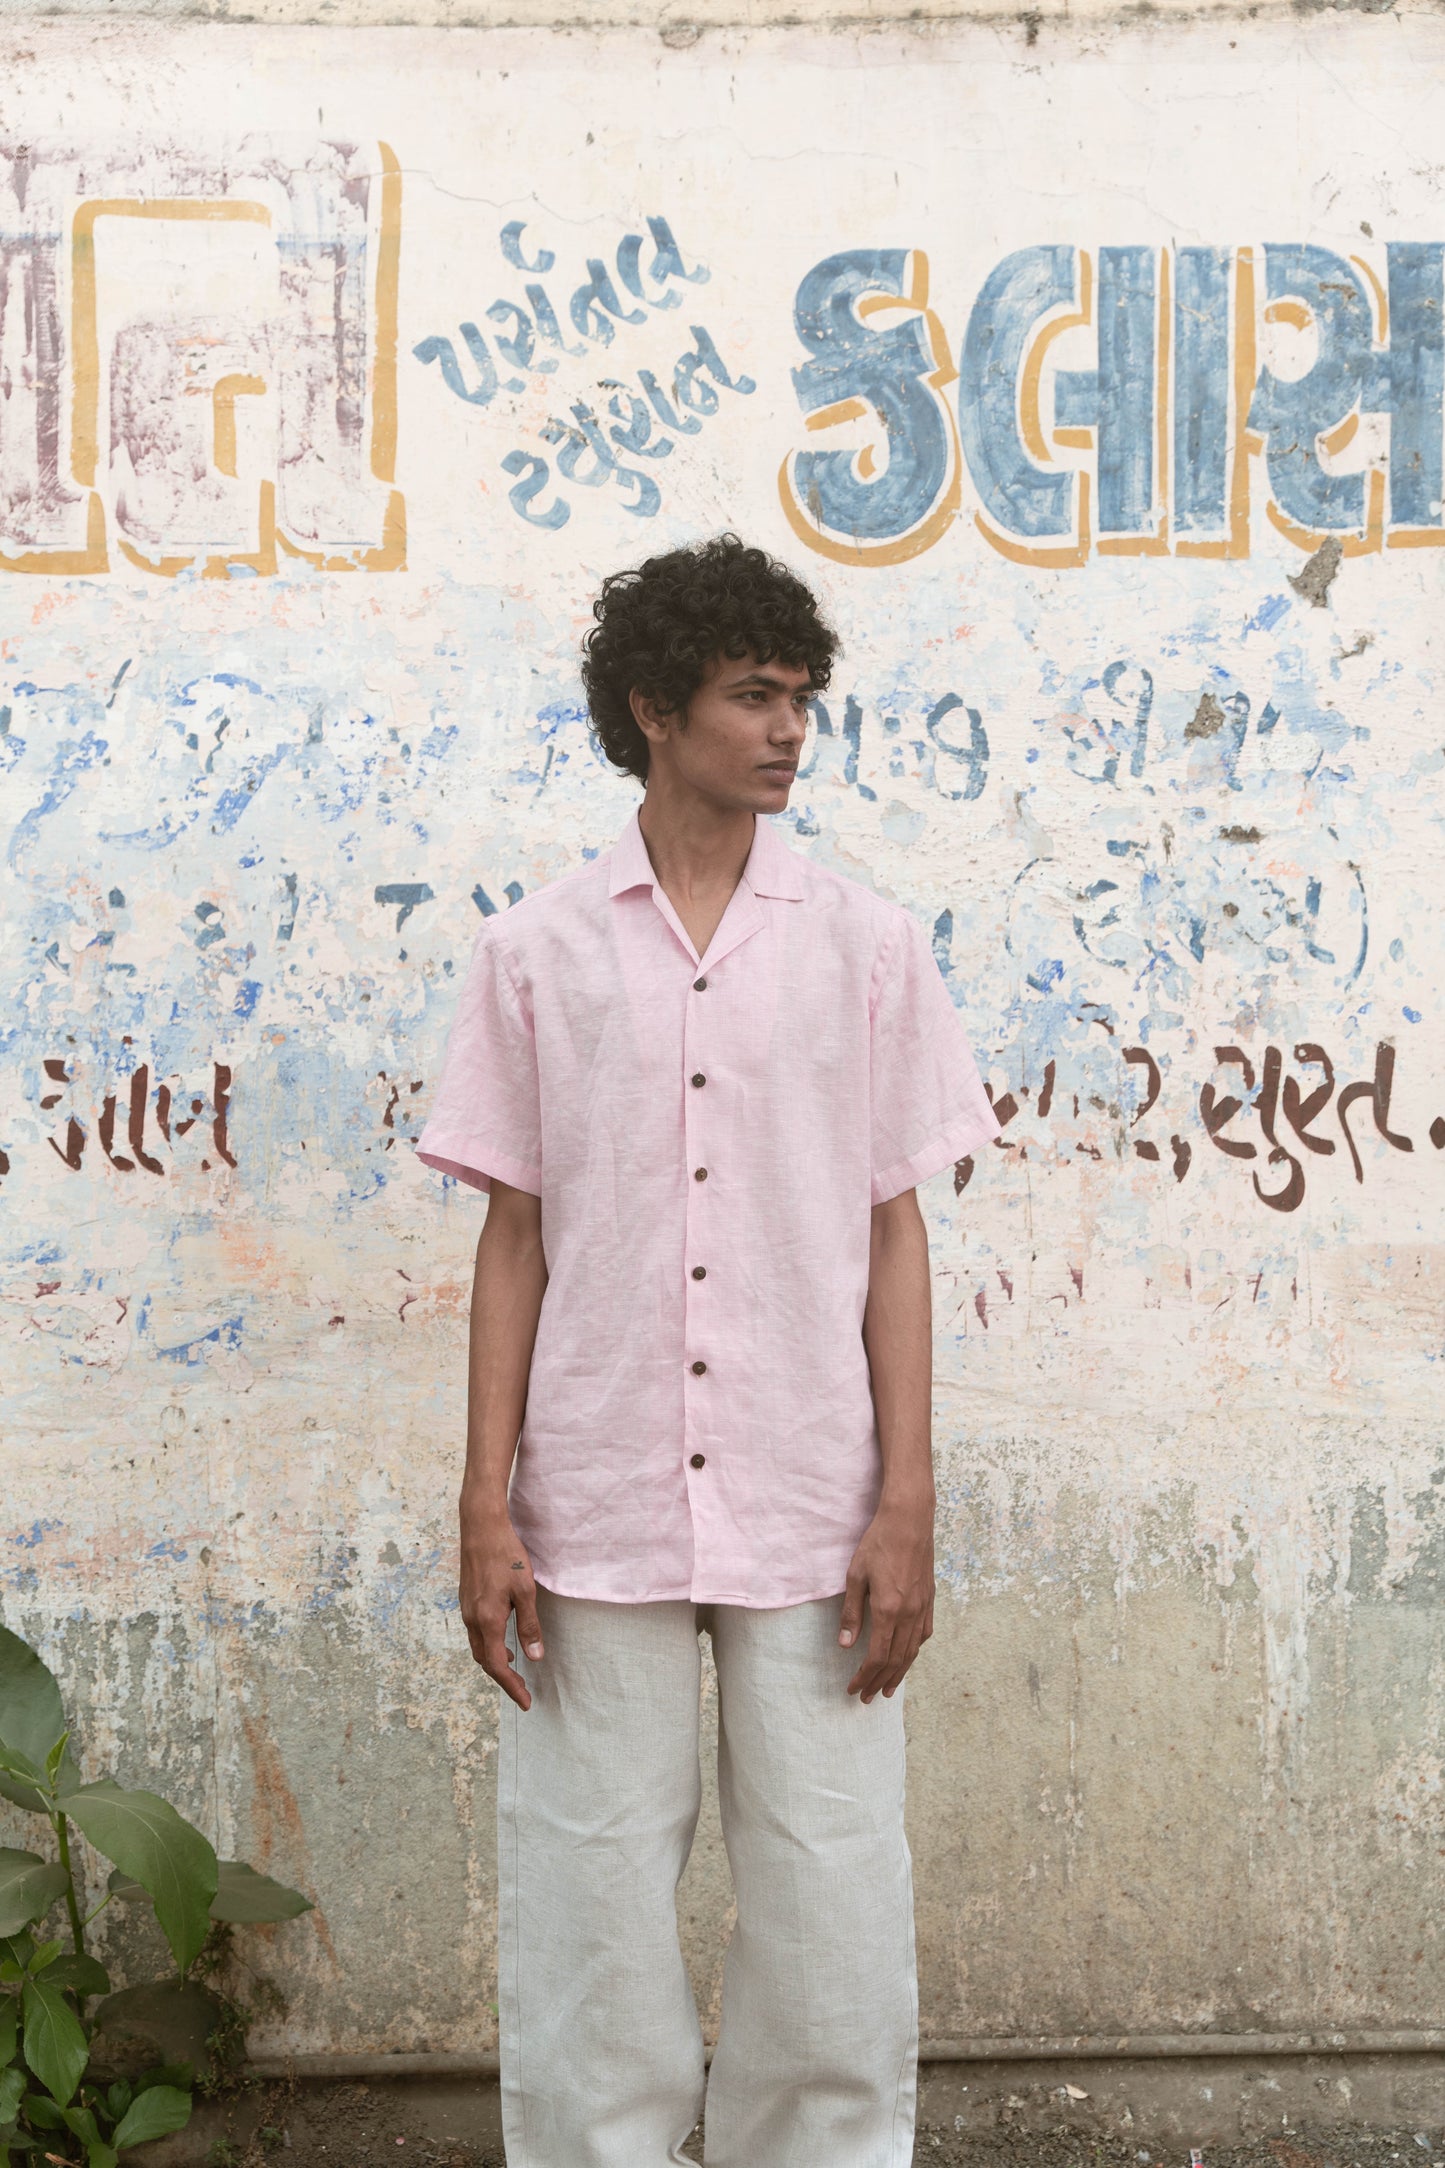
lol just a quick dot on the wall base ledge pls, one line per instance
(1074, 2047)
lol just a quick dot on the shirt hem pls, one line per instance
(940, 1152)
(476, 1164)
(553, 1583)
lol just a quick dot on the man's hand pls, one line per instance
(893, 1565)
(507, 1291)
(892, 1569)
(497, 1580)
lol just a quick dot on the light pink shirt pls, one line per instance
(707, 1137)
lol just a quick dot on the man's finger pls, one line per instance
(529, 1626)
(865, 1680)
(855, 1589)
(513, 1685)
(903, 1664)
(497, 1663)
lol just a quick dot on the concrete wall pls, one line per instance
(1125, 487)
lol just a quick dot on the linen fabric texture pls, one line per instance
(707, 1136)
(599, 1790)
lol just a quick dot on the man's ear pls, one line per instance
(651, 719)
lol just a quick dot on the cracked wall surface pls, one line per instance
(681, 24)
(1095, 379)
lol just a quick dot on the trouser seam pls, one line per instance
(509, 1718)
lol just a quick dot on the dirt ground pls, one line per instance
(352, 2126)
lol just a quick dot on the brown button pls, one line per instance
(698, 1369)
(698, 1077)
(699, 986)
(699, 1272)
(699, 1174)
(699, 1460)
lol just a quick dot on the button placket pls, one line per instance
(695, 1079)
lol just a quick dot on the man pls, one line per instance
(700, 1077)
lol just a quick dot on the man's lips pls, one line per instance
(780, 767)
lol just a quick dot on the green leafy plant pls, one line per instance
(84, 2088)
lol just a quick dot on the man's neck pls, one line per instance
(698, 854)
(696, 849)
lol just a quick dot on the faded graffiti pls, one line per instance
(144, 1110)
(151, 1111)
(1215, 1108)
(1175, 407)
(130, 427)
(533, 340)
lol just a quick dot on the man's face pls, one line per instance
(743, 736)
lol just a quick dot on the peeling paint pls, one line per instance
(1314, 580)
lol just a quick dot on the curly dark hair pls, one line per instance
(661, 626)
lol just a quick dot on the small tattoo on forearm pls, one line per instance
(518, 1565)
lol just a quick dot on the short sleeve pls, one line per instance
(929, 1107)
(486, 1117)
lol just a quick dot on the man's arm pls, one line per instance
(893, 1565)
(496, 1573)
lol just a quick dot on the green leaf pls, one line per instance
(124, 1886)
(17, 1949)
(21, 1781)
(152, 2114)
(42, 2112)
(83, 2123)
(9, 2029)
(32, 1719)
(33, 1797)
(97, 2153)
(12, 2085)
(181, 2074)
(148, 1839)
(29, 1886)
(45, 1955)
(117, 2100)
(55, 2047)
(250, 1899)
(82, 1975)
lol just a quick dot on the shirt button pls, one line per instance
(698, 1077)
(699, 1460)
(699, 1272)
(699, 1174)
(699, 986)
(698, 1369)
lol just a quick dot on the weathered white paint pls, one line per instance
(1177, 1746)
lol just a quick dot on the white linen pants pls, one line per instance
(599, 1793)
